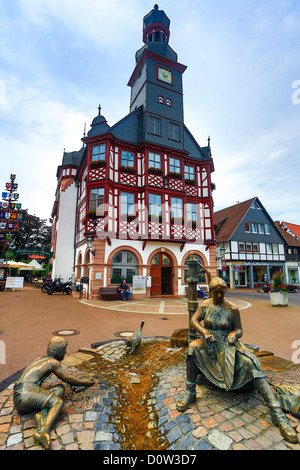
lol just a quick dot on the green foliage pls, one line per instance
(278, 283)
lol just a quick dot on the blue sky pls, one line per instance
(60, 58)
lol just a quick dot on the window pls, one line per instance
(154, 160)
(275, 248)
(248, 247)
(241, 246)
(260, 228)
(267, 229)
(176, 208)
(174, 131)
(255, 246)
(189, 173)
(191, 212)
(127, 204)
(154, 125)
(174, 165)
(247, 227)
(155, 205)
(268, 249)
(97, 200)
(253, 227)
(127, 159)
(98, 152)
(124, 266)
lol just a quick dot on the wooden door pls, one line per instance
(155, 280)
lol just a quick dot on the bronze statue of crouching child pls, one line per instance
(29, 395)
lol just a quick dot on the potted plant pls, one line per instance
(278, 293)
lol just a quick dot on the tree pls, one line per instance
(33, 233)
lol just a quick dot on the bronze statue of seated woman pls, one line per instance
(222, 359)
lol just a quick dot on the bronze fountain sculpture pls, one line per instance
(29, 395)
(219, 355)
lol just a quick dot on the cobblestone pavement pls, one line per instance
(91, 417)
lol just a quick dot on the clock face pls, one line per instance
(164, 75)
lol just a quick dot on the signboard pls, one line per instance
(14, 282)
(34, 251)
(139, 282)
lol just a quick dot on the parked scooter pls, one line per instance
(59, 286)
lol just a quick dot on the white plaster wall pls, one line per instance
(64, 256)
(152, 246)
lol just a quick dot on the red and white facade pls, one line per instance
(144, 190)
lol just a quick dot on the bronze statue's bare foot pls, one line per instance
(40, 419)
(43, 439)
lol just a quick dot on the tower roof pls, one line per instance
(156, 33)
(156, 17)
(99, 125)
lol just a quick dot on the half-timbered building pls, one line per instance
(144, 190)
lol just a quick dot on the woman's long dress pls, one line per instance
(227, 366)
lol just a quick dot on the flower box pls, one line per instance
(91, 214)
(128, 218)
(177, 220)
(279, 299)
(191, 182)
(97, 163)
(127, 169)
(172, 174)
(192, 224)
(155, 218)
(156, 171)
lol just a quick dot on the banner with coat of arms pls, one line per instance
(10, 218)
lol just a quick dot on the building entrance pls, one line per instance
(161, 275)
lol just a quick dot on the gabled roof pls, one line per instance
(294, 228)
(290, 240)
(229, 218)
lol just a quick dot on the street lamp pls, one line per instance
(90, 241)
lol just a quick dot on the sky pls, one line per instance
(60, 59)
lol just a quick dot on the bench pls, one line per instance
(203, 287)
(111, 293)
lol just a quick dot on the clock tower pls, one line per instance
(156, 84)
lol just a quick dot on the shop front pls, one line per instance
(249, 275)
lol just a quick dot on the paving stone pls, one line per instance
(203, 445)
(173, 436)
(14, 439)
(219, 440)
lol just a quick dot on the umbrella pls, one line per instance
(17, 264)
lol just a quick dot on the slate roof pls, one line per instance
(72, 158)
(229, 218)
(130, 129)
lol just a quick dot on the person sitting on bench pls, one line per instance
(124, 289)
(201, 293)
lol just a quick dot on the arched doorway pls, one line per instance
(161, 275)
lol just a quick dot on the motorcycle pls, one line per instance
(59, 286)
(47, 283)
